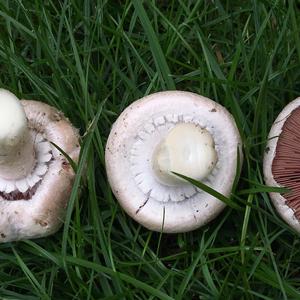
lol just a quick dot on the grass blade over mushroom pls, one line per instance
(68, 158)
(209, 190)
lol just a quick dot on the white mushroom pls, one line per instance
(35, 178)
(281, 163)
(16, 146)
(172, 132)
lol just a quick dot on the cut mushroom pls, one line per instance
(282, 161)
(170, 132)
(35, 178)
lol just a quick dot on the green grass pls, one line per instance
(91, 59)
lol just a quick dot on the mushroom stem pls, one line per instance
(187, 149)
(17, 157)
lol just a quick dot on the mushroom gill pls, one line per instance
(286, 163)
(25, 188)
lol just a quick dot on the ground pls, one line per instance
(91, 59)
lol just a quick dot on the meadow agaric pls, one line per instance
(282, 161)
(35, 178)
(167, 132)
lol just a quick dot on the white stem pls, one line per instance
(17, 157)
(187, 149)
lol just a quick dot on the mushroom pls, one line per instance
(281, 163)
(168, 132)
(35, 178)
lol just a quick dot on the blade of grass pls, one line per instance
(34, 282)
(158, 55)
(210, 191)
(80, 170)
(133, 281)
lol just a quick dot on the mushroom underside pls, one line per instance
(286, 162)
(34, 206)
(281, 163)
(129, 150)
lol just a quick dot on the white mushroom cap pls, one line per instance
(279, 201)
(134, 138)
(36, 204)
